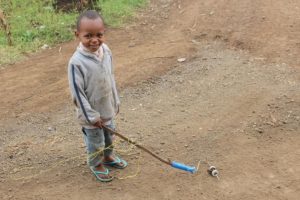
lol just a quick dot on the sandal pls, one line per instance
(96, 173)
(116, 163)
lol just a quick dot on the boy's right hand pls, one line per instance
(99, 123)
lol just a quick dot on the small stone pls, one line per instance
(181, 60)
(45, 46)
(259, 130)
(15, 170)
(20, 153)
(131, 44)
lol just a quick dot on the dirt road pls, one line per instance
(235, 101)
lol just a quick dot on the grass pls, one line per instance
(34, 23)
(117, 12)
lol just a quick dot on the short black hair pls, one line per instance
(90, 14)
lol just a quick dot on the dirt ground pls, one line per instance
(234, 101)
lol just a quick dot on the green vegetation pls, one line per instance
(34, 23)
(116, 12)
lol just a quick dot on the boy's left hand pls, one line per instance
(99, 123)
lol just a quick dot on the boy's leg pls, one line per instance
(109, 158)
(94, 140)
(108, 137)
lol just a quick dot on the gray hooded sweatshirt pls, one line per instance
(93, 86)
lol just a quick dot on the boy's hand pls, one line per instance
(99, 123)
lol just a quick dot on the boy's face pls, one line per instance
(91, 33)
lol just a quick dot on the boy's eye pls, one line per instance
(88, 35)
(100, 35)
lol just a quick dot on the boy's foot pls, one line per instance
(101, 173)
(114, 161)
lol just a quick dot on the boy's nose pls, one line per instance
(94, 40)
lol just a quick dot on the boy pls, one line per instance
(94, 93)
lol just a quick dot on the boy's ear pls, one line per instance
(76, 33)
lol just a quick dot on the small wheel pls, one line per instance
(215, 173)
(212, 168)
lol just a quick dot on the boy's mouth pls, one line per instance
(95, 46)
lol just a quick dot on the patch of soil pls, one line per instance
(234, 101)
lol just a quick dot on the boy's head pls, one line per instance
(90, 30)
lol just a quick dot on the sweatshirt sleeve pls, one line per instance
(80, 99)
(114, 90)
(114, 86)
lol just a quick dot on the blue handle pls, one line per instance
(184, 167)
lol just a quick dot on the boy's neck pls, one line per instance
(98, 53)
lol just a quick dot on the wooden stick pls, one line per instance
(138, 145)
